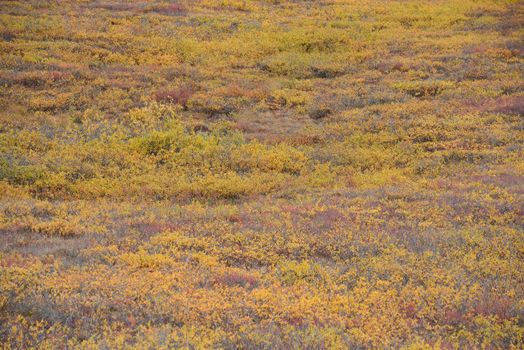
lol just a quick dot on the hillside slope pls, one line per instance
(262, 174)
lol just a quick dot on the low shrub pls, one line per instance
(424, 89)
(280, 158)
(171, 10)
(239, 278)
(58, 227)
(513, 105)
(319, 112)
(179, 96)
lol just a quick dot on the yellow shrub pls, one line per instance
(288, 98)
(292, 272)
(280, 158)
(143, 260)
(58, 227)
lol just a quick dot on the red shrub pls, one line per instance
(238, 278)
(235, 218)
(497, 306)
(392, 66)
(328, 217)
(453, 317)
(58, 77)
(503, 104)
(178, 96)
(31, 79)
(172, 10)
(114, 7)
(509, 105)
(410, 309)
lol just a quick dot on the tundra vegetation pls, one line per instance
(262, 174)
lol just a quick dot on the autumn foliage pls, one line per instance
(261, 174)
